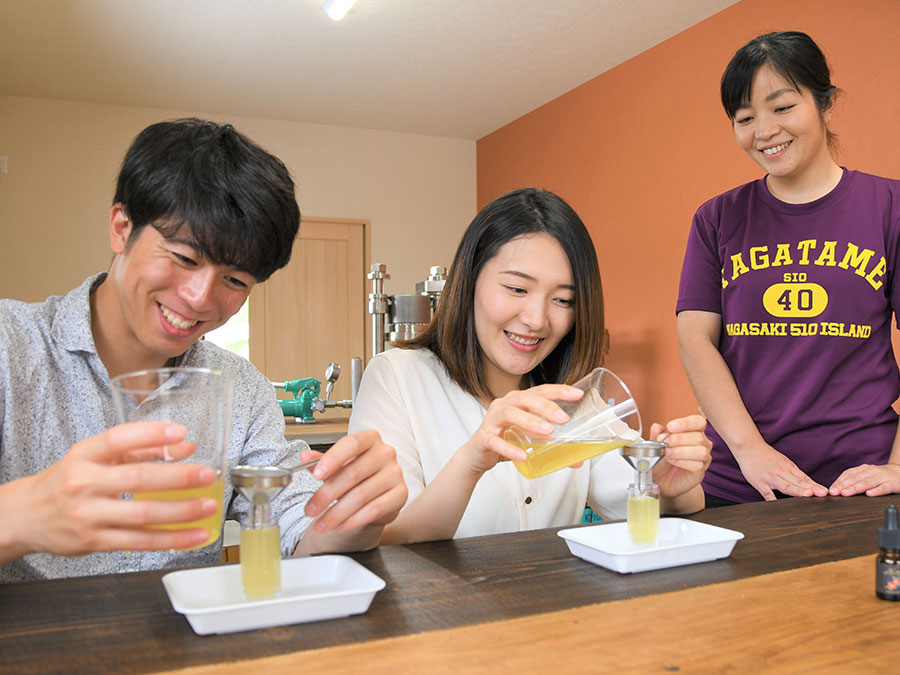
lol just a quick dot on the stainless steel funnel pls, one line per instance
(643, 455)
(260, 484)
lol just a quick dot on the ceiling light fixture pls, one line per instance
(336, 9)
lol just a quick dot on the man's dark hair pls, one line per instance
(215, 188)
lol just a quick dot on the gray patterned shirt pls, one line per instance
(55, 391)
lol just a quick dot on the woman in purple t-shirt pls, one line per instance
(786, 296)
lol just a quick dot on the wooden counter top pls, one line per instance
(442, 596)
(823, 618)
(320, 435)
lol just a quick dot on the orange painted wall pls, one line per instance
(637, 149)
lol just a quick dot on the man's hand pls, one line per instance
(75, 506)
(362, 486)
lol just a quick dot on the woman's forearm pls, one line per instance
(436, 512)
(712, 381)
(691, 501)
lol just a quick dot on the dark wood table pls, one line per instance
(124, 623)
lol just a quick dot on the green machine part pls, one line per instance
(305, 391)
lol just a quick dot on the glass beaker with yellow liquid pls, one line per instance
(552, 455)
(213, 523)
(643, 494)
(200, 400)
(603, 419)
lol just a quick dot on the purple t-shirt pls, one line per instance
(806, 297)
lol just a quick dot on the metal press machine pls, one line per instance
(394, 317)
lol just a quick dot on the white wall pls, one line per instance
(63, 157)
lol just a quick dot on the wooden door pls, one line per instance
(313, 311)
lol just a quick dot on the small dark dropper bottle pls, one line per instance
(887, 565)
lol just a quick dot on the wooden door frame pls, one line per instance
(256, 308)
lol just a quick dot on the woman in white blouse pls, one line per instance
(520, 318)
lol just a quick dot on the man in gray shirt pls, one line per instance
(200, 215)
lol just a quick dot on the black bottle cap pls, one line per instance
(889, 535)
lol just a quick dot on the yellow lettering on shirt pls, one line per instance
(805, 247)
(759, 257)
(874, 277)
(853, 258)
(737, 265)
(849, 256)
(826, 257)
(783, 256)
(783, 329)
(834, 329)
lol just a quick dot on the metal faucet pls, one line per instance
(306, 399)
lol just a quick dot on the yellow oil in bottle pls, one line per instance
(643, 518)
(260, 561)
(551, 455)
(212, 523)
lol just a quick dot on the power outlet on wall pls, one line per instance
(2, 163)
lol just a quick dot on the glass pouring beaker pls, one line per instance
(604, 419)
(199, 399)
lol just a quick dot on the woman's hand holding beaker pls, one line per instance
(604, 418)
(534, 411)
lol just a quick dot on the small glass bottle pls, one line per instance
(887, 564)
(260, 553)
(643, 509)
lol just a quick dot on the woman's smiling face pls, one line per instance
(524, 306)
(782, 129)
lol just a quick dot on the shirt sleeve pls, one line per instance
(379, 405)
(892, 255)
(700, 287)
(4, 371)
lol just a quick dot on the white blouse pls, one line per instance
(408, 398)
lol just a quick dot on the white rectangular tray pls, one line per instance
(680, 542)
(312, 589)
